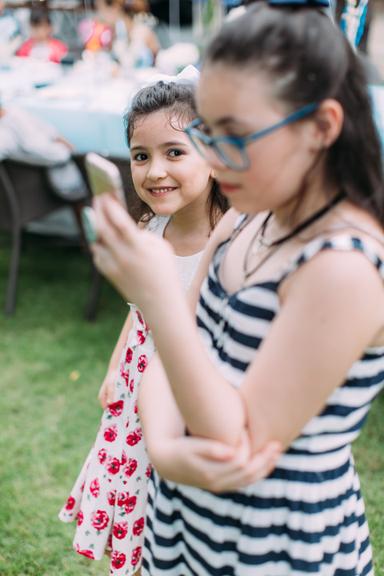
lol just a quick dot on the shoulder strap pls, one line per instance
(342, 243)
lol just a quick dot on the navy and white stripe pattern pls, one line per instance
(308, 516)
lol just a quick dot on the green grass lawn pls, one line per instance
(51, 364)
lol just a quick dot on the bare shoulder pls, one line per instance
(226, 225)
(357, 239)
(355, 222)
(347, 263)
(342, 284)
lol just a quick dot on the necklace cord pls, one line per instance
(273, 246)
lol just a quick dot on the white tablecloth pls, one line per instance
(87, 105)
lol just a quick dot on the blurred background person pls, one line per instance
(10, 33)
(134, 43)
(42, 44)
(95, 34)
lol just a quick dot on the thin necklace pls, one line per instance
(275, 245)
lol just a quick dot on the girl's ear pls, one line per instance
(329, 122)
(213, 174)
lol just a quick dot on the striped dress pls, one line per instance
(308, 516)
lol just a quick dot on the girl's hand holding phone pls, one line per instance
(104, 178)
(138, 263)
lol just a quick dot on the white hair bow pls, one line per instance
(189, 75)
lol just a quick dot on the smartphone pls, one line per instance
(88, 218)
(104, 177)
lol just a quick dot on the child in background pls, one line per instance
(41, 44)
(290, 338)
(181, 203)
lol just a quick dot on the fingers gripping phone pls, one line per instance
(104, 178)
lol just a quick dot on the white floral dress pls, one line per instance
(108, 500)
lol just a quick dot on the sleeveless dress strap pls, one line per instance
(342, 243)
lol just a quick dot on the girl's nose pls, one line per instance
(156, 169)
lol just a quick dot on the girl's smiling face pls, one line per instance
(168, 173)
(238, 102)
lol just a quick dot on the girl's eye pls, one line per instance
(140, 157)
(175, 152)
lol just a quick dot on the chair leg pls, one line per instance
(93, 295)
(10, 298)
(77, 208)
(96, 278)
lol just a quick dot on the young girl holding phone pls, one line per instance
(180, 202)
(290, 337)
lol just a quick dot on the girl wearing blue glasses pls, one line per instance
(289, 339)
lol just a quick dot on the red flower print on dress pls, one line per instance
(111, 497)
(116, 408)
(113, 465)
(125, 374)
(138, 526)
(129, 355)
(142, 363)
(94, 487)
(122, 498)
(131, 386)
(130, 504)
(80, 518)
(102, 455)
(130, 468)
(136, 409)
(134, 437)
(110, 434)
(87, 553)
(141, 336)
(148, 471)
(123, 458)
(118, 559)
(70, 503)
(120, 530)
(139, 317)
(136, 555)
(100, 519)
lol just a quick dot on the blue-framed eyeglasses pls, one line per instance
(231, 150)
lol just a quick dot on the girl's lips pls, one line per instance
(228, 188)
(158, 192)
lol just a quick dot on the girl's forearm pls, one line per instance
(211, 407)
(159, 414)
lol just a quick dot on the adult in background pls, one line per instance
(134, 44)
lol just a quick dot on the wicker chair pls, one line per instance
(25, 195)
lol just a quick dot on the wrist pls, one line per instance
(160, 455)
